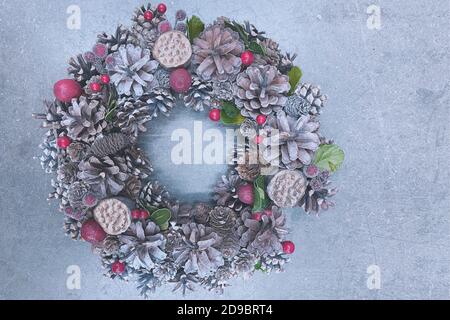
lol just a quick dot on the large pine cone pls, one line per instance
(84, 119)
(132, 115)
(216, 53)
(261, 90)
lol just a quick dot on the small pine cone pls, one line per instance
(223, 90)
(60, 192)
(199, 96)
(113, 42)
(296, 106)
(76, 151)
(67, 172)
(132, 115)
(162, 77)
(51, 154)
(273, 262)
(165, 271)
(244, 263)
(226, 191)
(81, 70)
(159, 101)
(72, 228)
(108, 145)
(154, 195)
(108, 247)
(286, 63)
(76, 193)
(222, 220)
(248, 170)
(312, 95)
(218, 281)
(143, 32)
(138, 163)
(200, 213)
(52, 116)
(133, 187)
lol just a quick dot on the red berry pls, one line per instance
(247, 58)
(96, 87)
(63, 142)
(105, 79)
(143, 214)
(136, 214)
(261, 119)
(66, 90)
(162, 8)
(118, 267)
(214, 114)
(259, 139)
(180, 80)
(288, 247)
(148, 15)
(257, 216)
(245, 194)
(92, 232)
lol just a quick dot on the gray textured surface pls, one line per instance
(389, 110)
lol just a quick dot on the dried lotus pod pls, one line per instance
(286, 188)
(172, 49)
(113, 216)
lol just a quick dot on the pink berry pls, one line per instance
(180, 80)
(162, 8)
(268, 212)
(148, 15)
(92, 232)
(96, 87)
(247, 58)
(257, 216)
(63, 142)
(143, 214)
(67, 89)
(214, 114)
(105, 79)
(261, 119)
(136, 214)
(90, 200)
(245, 194)
(118, 267)
(100, 50)
(164, 26)
(288, 247)
(259, 139)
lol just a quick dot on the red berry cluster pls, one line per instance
(149, 14)
(97, 87)
(140, 214)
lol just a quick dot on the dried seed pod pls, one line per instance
(172, 49)
(286, 188)
(113, 216)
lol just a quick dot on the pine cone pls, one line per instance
(317, 198)
(106, 176)
(249, 169)
(60, 192)
(52, 116)
(138, 163)
(51, 154)
(76, 151)
(72, 228)
(297, 139)
(226, 192)
(132, 187)
(162, 77)
(131, 70)
(81, 70)
(84, 119)
(311, 94)
(272, 54)
(261, 89)
(223, 221)
(184, 282)
(143, 32)
(132, 115)
(286, 63)
(67, 172)
(165, 271)
(108, 247)
(199, 96)
(154, 195)
(159, 101)
(273, 262)
(76, 193)
(216, 53)
(201, 213)
(109, 145)
(113, 42)
(223, 90)
(296, 107)
(244, 263)
(143, 245)
(198, 254)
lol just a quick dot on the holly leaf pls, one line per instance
(295, 74)
(230, 109)
(239, 29)
(195, 27)
(256, 48)
(329, 157)
(230, 114)
(161, 217)
(259, 189)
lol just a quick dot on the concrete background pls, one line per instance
(389, 110)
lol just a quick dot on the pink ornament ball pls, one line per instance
(67, 89)
(92, 232)
(180, 80)
(245, 194)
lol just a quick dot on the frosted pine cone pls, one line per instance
(312, 95)
(317, 198)
(131, 70)
(84, 119)
(159, 101)
(72, 228)
(261, 90)
(226, 191)
(52, 116)
(138, 163)
(273, 262)
(76, 193)
(114, 41)
(143, 32)
(81, 70)
(184, 282)
(154, 195)
(244, 263)
(216, 53)
(223, 90)
(199, 96)
(51, 154)
(109, 145)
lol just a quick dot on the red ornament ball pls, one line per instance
(136, 214)
(148, 15)
(63, 142)
(259, 139)
(288, 247)
(261, 119)
(162, 8)
(245, 194)
(92, 232)
(247, 58)
(96, 87)
(143, 214)
(214, 114)
(180, 80)
(67, 89)
(118, 267)
(257, 216)
(105, 79)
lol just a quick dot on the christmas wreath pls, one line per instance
(102, 175)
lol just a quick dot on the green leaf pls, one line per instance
(256, 48)
(230, 109)
(258, 265)
(227, 120)
(164, 226)
(161, 217)
(239, 29)
(261, 199)
(329, 157)
(295, 74)
(195, 27)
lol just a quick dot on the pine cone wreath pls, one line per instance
(307, 93)
(199, 96)
(131, 69)
(154, 195)
(226, 191)
(114, 41)
(109, 144)
(106, 176)
(143, 32)
(273, 262)
(143, 245)
(81, 70)
(84, 119)
(261, 90)
(198, 254)
(297, 139)
(216, 53)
